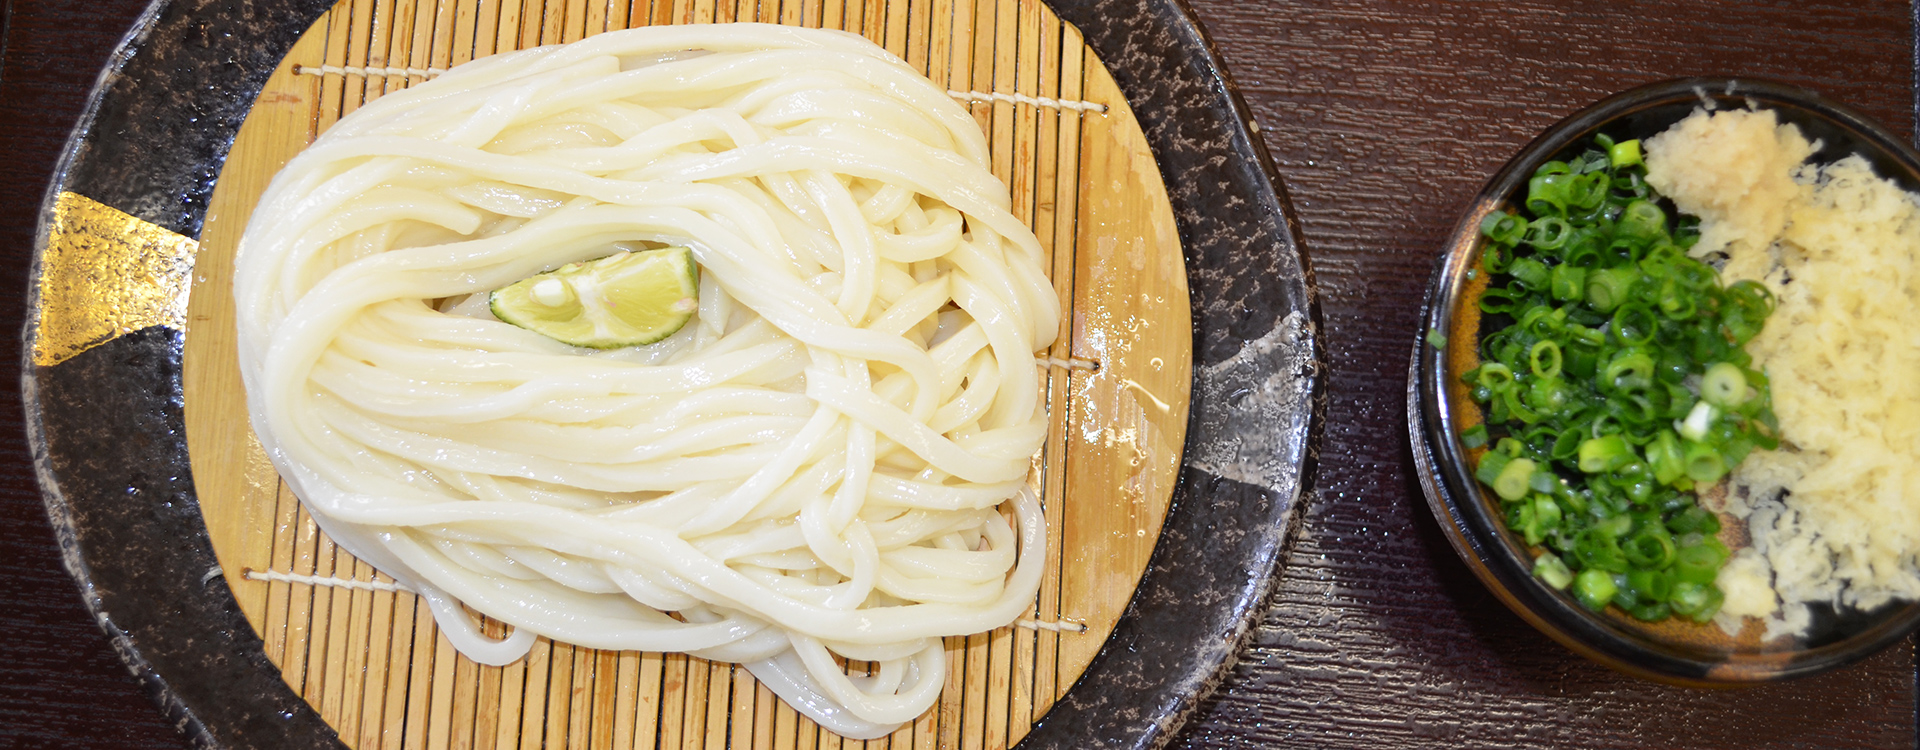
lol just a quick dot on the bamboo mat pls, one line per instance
(367, 656)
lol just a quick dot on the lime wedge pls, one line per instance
(626, 299)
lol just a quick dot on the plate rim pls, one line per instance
(1163, 63)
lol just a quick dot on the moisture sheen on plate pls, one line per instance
(827, 464)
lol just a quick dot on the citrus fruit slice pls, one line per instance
(625, 299)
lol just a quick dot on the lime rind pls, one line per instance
(621, 300)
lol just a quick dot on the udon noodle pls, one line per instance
(827, 467)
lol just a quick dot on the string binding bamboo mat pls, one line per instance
(368, 657)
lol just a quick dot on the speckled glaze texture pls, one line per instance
(165, 112)
(1257, 396)
(108, 421)
(105, 427)
(109, 440)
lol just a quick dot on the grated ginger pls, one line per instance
(1834, 514)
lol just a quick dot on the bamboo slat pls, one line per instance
(371, 659)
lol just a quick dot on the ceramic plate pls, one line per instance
(106, 411)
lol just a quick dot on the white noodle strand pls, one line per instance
(1073, 105)
(829, 464)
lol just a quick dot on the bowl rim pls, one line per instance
(1483, 542)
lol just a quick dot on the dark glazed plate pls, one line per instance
(105, 416)
(1437, 407)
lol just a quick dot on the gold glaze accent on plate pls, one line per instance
(106, 274)
(372, 662)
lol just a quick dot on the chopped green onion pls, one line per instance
(1676, 301)
(1548, 232)
(1543, 360)
(1549, 396)
(1567, 283)
(1641, 221)
(1583, 250)
(1752, 297)
(1698, 420)
(1604, 453)
(1587, 191)
(1696, 601)
(1634, 324)
(1497, 301)
(1650, 583)
(1650, 611)
(1496, 257)
(1609, 287)
(1694, 520)
(1494, 374)
(1546, 510)
(1530, 273)
(1594, 588)
(1724, 385)
(1551, 570)
(1503, 228)
(1698, 563)
(1566, 446)
(1630, 370)
(1492, 463)
(1619, 385)
(1663, 457)
(1547, 194)
(1511, 482)
(1622, 154)
(1597, 549)
(1704, 463)
(1651, 548)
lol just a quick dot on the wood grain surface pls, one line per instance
(1384, 117)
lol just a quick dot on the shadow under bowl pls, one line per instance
(1673, 651)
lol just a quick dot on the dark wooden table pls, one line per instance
(1384, 117)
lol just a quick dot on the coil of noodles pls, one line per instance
(828, 464)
